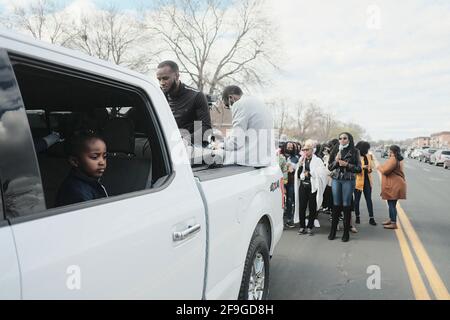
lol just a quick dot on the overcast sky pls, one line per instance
(382, 64)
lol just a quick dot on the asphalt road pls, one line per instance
(312, 267)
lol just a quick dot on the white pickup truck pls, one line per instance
(166, 231)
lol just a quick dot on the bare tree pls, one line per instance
(304, 121)
(216, 41)
(115, 36)
(43, 19)
(282, 114)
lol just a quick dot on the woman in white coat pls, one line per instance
(310, 182)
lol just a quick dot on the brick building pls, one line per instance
(221, 118)
(420, 142)
(440, 139)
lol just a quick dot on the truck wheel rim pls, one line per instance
(257, 278)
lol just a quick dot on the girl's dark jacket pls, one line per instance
(78, 187)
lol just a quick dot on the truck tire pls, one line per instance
(255, 279)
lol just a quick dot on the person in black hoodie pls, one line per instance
(344, 163)
(87, 156)
(291, 154)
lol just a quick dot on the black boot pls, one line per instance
(347, 221)
(334, 222)
(357, 221)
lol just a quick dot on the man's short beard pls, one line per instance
(173, 87)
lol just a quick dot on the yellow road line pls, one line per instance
(433, 277)
(418, 286)
(415, 278)
(436, 283)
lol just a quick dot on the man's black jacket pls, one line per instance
(189, 105)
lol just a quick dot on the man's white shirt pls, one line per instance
(251, 140)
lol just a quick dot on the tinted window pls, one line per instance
(20, 180)
(67, 102)
(446, 152)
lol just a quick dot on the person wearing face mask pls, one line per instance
(251, 140)
(344, 163)
(187, 104)
(327, 196)
(364, 181)
(292, 158)
(311, 180)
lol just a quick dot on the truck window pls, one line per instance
(22, 192)
(63, 101)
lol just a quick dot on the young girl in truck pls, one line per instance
(87, 156)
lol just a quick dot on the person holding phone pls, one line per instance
(364, 182)
(311, 180)
(291, 163)
(345, 163)
(393, 184)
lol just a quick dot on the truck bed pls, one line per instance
(205, 173)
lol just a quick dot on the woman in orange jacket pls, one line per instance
(364, 181)
(393, 184)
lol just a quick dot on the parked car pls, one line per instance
(165, 231)
(446, 164)
(440, 156)
(408, 153)
(416, 153)
(426, 154)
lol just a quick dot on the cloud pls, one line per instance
(389, 79)
(393, 79)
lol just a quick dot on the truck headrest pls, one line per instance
(119, 135)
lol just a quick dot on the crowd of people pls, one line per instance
(331, 178)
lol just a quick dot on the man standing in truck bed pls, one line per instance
(188, 105)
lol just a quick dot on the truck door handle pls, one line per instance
(180, 236)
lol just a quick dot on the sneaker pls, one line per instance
(353, 229)
(316, 223)
(357, 220)
(302, 231)
(372, 222)
(290, 225)
(309, 232)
